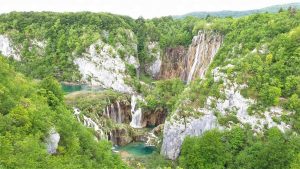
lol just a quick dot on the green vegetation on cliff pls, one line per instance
(28, 111)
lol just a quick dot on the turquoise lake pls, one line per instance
(137, 149)
(75, 88)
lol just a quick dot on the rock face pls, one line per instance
(175, 132)
(235, 102)
(120, 137)
(201, 53)
(102, 66)
(7, 49)
(154, 118)
(154, 67)
(52, 141)
(119, 112)
(192, 63)
(174, 63)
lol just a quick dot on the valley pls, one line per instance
(98, 90)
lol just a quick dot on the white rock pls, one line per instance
(154, 67)
(175, 132)
(52, 141)
(6, 48)
(103, 68)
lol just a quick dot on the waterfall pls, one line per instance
(207, 45)
(136, 121)
(113, 113)
(88, 122)
(190, 77)
(119, 113)
(152, 139)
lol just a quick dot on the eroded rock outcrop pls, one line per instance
(7, 49)
(120, 136)
(154, 67)
(176, 131)
(174, 63)
(102, 66)
(52, 141)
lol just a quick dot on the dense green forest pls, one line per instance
(239, 148)
(28, 111)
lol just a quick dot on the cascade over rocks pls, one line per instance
(192, 63)
(201, 53)
(119, 112)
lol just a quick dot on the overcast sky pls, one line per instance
(136, 8)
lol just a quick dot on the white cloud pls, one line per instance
(135, 8)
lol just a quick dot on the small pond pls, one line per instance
(137, 149)
(68, 88)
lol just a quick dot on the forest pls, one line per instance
(264, 49)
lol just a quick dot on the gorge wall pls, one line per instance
(120, 120)
(191, 63)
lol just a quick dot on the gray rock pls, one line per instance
(52, 141)
(174, 133)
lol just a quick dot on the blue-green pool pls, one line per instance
(67, 88)
(137, 149)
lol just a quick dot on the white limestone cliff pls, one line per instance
(102, 66)
(7, 49)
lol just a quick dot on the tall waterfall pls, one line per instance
(191, 63)
(207, 45)
(136, 113)
(190, 76)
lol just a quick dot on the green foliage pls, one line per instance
(28, 110)
(205, 152)
(165, 94)
(238, 148)
(64, 37)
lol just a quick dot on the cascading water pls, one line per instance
(88, 122)
(119, 120)
(136, 113)
(207, 45)
(190, 77)
(152, 139)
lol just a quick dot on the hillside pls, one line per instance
(163, 92)
(223, 14)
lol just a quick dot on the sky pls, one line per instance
(136, 8)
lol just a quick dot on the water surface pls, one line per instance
(137, 149)
(68, 88)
